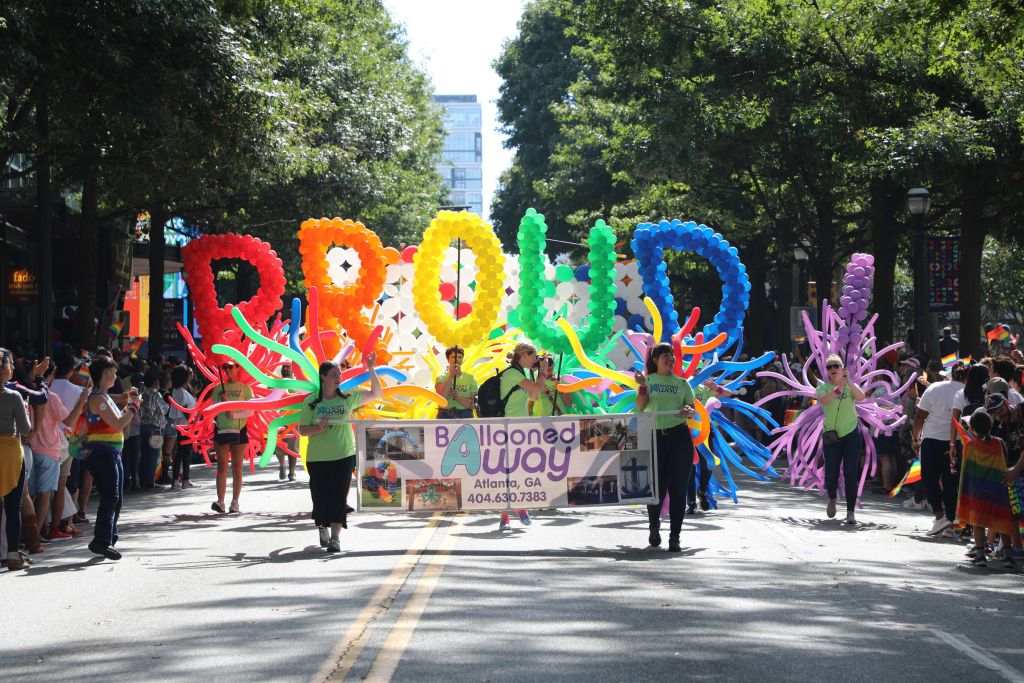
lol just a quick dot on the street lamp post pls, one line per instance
(918, 202)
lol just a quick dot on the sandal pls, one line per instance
(234, 508)
(218, 507)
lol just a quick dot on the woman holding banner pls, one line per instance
(517, 386)
(331, 451)
(669, 395)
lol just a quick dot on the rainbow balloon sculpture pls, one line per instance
(841, 333)
(408, 305)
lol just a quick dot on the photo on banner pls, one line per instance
(506, 463)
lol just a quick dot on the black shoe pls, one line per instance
(164, 480)
(106, 551)
(692, 509)
(349, 509)
(673, 544)
(654, 539)
(705, 504)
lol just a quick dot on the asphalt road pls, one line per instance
(768, 590)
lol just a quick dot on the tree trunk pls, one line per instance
(884, 238)
(157, 220)
(758, 311)
(45, 235)
(972, 242)
(85, 326)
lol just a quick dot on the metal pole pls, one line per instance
(458, 275)
(921, 288)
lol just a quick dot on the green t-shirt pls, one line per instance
(840, 414)
(544, 405)
(231, 391)
(338, 441)
(668, 392)
(517, 400)
(465, 387)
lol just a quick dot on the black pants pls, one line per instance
(131, 456)
(940, 485)
(705, 479)
(108, 475)
(12, 513)
(329, 481)
(182, 460)
(675, 460)
(846, 454)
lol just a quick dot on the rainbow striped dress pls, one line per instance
(984, 498)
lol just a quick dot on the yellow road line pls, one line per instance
(346, 652)
(383, 667)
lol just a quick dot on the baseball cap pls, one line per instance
(912, 362)
(998, 385)
(994, 400)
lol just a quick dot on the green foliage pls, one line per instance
(770, 120)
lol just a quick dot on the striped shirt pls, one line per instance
(97, 431)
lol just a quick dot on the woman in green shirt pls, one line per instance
(550, 402)
(517, 386)
(330, 454)
(662, 391)
(842, 440)
(230, 438)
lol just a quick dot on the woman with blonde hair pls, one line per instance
(518, 385)
(841, 436)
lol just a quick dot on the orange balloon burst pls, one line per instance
(342, 306)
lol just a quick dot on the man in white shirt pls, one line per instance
(931, 439)
(69, 393)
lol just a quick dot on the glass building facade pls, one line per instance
(462, 158)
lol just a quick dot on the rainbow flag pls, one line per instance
(912, 476)
(999, 333)
(133, 346)
(114, 329)
(967, 361)
(949, 361)
(984, 498)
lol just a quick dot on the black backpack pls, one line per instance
(490, 402)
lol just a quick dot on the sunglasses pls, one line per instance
(229, 366)
(833, 366)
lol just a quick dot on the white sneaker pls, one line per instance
(830, 509)
(948, 533)
(909, 504)
(325, 535)
(850, 519)
(175, 485)
(940, 525)
(923, 505)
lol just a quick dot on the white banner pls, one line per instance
(506, 463)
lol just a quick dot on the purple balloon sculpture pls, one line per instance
(842, 333)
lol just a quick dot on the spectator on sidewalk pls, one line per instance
(948, 344)
(931, 440)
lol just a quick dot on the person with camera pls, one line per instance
(104, 439)
(841, 438)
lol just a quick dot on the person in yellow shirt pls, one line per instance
(457, 386)
(230, 438)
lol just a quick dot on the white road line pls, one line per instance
(980, 655)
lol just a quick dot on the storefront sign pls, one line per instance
(22, 286)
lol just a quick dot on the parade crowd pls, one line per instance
(104, 423)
